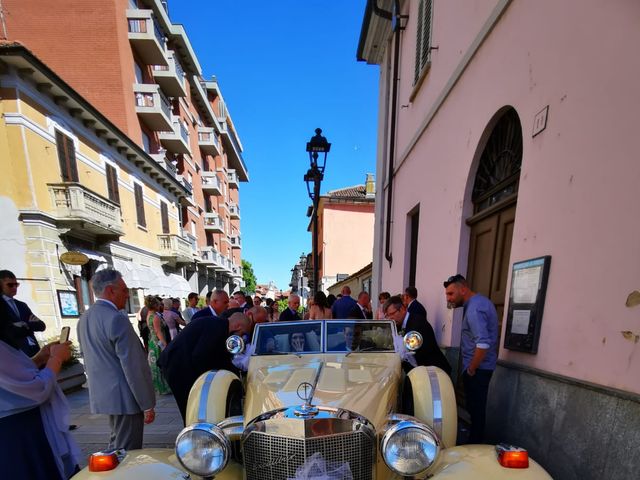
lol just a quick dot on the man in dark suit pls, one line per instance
(290, 313)
(342, 307)
(353, 341)
(218, 303)
(429, 353)
(411, 302)
(118, 373)
(361, 309)
(241, 298)
(200, 347)
(20, 312)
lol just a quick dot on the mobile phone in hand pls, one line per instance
(64, 334)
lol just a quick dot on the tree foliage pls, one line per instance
(249, 277)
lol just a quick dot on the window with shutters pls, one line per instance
(112, 183)
(423, 38)
(164, 215)
(137, 189)
(67, 157)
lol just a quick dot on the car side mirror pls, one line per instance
(412, 341)
(235, 344)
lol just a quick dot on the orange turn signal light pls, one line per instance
(512, 457)
(103, 462)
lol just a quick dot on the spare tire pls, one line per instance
(429, 396)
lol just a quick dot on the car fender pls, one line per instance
(154, 464)
(212, 397)
(479, 462)
(434, 401)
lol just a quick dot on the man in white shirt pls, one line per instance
(192, 301)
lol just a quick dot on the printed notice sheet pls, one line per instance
(520, 322)
(526, 283)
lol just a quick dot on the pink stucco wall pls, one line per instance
(579, 182)
(347, 235)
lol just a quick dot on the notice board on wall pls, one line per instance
(526, 304)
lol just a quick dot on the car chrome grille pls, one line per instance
(273, 457)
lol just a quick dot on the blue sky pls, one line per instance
(286, 68)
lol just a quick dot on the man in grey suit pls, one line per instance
(118, 374)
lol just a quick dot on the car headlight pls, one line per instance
(203, 449)
(409, 447)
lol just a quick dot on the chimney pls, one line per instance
(370, 186)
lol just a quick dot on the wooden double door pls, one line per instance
(489, 253)
(488, 267)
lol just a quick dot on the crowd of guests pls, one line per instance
(125, 375)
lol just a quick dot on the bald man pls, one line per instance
(200, 347)
(257, 314)
(218, 303)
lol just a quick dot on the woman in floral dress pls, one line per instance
(157, 343)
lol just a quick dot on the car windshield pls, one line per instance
(356, 336)
(288, 337)
(339, 336)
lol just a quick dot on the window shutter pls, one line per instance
(423, 37)
(419, 40)
(66, 157)
(164, 214)
(139, 205)
(112, 184)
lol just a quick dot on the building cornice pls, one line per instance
(14, 56)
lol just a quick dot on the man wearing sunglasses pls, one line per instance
(429, 354)
(21, 314)
(479, 346)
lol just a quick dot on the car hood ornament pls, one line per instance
(305, 392)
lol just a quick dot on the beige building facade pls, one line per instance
(73, 182)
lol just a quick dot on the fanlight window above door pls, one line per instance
(499, 170)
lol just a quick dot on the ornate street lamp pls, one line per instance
(315, 147)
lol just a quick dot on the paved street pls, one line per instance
(92, 433)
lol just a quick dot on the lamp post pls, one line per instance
(314, 176)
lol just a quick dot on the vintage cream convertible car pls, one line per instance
(321, 399)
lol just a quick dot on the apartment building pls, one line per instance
(139, 69)
(508, 152)
(345, 228)
(73, 182)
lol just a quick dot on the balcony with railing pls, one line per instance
(176, 139)
(78, 208)
(211, 258)
(187, 200)
(152, 106)
(211, 183)
(232, 147)
(208, 140)
(213, 222)
(234, 211)
(171, 77)
(162, 160)
(232, 178)
(175, 249)
(146, 37)
(227, 264)
(237, 271)
(235, 241)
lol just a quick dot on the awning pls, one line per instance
(153, 280)
(95, 256)
(135, 276)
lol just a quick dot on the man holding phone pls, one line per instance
(64, 334)
(21, 314)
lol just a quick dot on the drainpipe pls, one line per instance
(392, 129)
